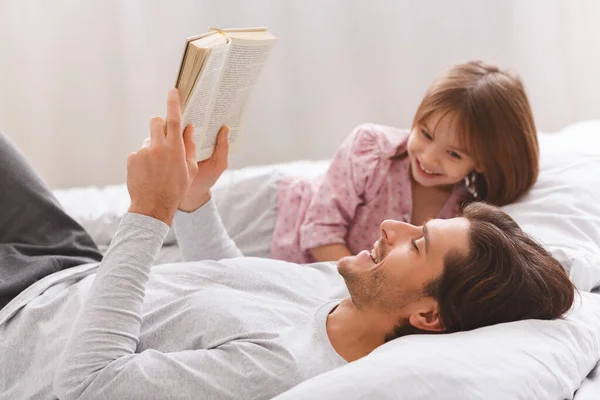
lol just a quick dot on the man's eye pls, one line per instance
(427, 135)
(454, 154)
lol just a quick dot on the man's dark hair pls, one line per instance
(506, 276)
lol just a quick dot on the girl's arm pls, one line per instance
(330, 252)
(332, 211)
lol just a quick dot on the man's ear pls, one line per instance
(426, 317)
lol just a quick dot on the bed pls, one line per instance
(562, 211)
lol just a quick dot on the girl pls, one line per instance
(473, 138)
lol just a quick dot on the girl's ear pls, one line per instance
(478, 169)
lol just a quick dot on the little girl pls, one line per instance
(473, 138)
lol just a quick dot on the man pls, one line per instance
(248, 327)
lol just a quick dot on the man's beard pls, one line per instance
(364, 289)
(374, 290)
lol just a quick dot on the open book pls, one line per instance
(217, 73)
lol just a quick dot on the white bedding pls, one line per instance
(99, 209)
(590, 387)
(562, 211)
(520, 360)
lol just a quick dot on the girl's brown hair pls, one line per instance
(495, 123)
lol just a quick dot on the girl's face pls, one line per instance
(437, 158)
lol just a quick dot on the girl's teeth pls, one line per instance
(426, 170)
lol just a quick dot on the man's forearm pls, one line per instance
(202, 236)
(191, 205)
(108, 325)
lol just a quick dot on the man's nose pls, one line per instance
(393, 231)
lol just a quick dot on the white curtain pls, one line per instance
(79, 80)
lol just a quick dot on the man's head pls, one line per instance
(456, 275)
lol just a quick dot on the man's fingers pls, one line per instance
(131, 158)
(222, 148)
(157, 130)
(190, 144)
(174, 117)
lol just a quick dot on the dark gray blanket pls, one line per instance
(37, 237)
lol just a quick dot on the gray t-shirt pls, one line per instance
(231, 329)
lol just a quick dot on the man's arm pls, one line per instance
(107, 328)
(106, 333)
(201, 235)
(200, 231)
(231, 371)
(99, 360)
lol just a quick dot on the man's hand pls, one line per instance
(209, 171)
(160, 174)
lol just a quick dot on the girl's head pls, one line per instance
(475, 121)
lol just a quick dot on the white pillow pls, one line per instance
(531, 359)
(563, 209)
(100, 209)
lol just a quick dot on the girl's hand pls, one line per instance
(330, 252)
(208, 173)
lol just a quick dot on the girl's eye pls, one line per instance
(454, 154)
(427, 135)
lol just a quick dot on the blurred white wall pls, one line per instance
(79, 80)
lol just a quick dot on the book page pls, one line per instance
(193, 62)
(187, 43)
(245, 60)
(198, 106)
